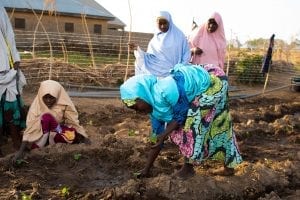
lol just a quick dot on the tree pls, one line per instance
(257, 43)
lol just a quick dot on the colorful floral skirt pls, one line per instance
(208, 131)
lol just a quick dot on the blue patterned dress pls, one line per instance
(196, 97)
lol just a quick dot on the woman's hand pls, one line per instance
(87, 141)
(196, 51)
(160, 140)
(17, 65)
(132, 46)
(18, 156)
(173, 125)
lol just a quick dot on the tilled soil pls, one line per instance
(267, 129)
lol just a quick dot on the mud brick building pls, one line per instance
(72, 22)
(63, 16)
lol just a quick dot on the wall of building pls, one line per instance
(34, 38)
(54, 23)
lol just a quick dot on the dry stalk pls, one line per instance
(63, 45)
(49, 42)
(129, 40)
(120, 47)
(86, 30)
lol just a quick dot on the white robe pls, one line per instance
(7, 49)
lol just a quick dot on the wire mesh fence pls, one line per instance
(103, 60)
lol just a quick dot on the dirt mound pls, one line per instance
(268, 135)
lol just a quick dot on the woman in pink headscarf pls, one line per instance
(208, 42)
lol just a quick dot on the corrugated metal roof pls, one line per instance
(88, 7)
(117, 21)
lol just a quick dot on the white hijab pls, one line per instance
(165, 50)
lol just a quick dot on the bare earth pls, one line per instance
(268, 131)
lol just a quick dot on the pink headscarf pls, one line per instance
(212, 44)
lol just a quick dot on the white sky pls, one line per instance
(244, 19)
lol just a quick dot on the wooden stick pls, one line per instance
(90, 45)
(266, 81)
(47, 35)
(129, 40)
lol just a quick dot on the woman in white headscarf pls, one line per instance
(52, 118)
(168, 47)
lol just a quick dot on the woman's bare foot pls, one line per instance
(186, 171)
(222, 171)
(51, 138)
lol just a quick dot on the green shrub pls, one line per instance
(248, 69)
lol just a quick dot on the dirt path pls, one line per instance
(268, 134)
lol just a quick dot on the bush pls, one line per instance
(249, 69)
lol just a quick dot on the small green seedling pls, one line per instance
(77, 156)
(153, 139)
(65, 191)
(19, 162)
(136, 174)
(131, 133)
(25, 196)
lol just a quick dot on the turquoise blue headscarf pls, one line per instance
(196, 79)
(139, 86)
(162, 94)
